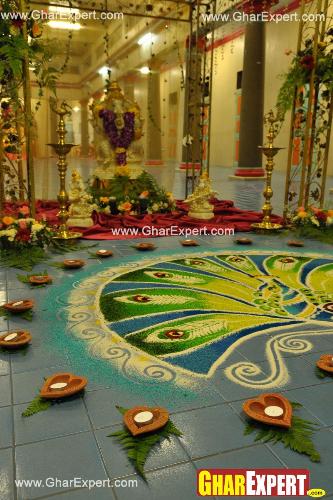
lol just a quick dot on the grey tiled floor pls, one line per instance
(70, 439)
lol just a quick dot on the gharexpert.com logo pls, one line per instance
(255, 482)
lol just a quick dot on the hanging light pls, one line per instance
(145, 70)
(147, 39)
(64, 25)
(104, 71)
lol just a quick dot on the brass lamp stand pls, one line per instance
(62, 149)
(269, 151)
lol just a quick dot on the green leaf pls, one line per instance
(24, 258)
(24, 278)
(138, 448)
(321, 373)
(38, 404)
(298, 438)
(28, 315)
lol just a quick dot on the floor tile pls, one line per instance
(211, 430)
(320, 473)
(169, 452)
(104, 493)
(102, 409)
(317, 400)
(6, 427)
(178, 482)
(64, 458)
(5, 391)
(240, 459)
(4, 360)
(68, 417)
(6, 475)
(37, 356)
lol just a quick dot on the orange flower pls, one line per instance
(330, 213)
(8, 220)
(104, 199)
(144, 194)
(302, 214)
(125, 207)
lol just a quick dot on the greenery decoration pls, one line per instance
(301, 68)
(322, 374)
(16, 48)
(24, 278)
(24, 259)
(138, 448)
(298, 438)
(28, 315)
(37, 405)
(125, 195)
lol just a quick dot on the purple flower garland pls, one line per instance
(118, 138)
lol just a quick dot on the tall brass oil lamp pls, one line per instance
(269, 150)
(61, 148)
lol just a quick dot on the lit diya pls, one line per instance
(15, 340)
(104, 253)
(73, 263)
(143, 247)
(325, 363)
(40, 280)
(270, 408)
(141, 419)
(62, 385)
(19, 305)
(295, 243)
(189, 243)
(243, 241)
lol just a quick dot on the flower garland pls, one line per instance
(120, 138)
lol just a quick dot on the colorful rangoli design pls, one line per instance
(166, 318)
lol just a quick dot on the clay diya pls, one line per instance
(141, 419)
(15, 340)
(325, 363)
(18, 306)
(143, 247)
(270, 408)
(104, 253)
(295, 243)
(189, 243)
(62, 385)
(40, 280)
(243, 241)
(73, 263)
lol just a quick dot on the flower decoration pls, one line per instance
(305, 63)
(120, 132)
(125, 207)
(313, 217)
(124, 171)
(24, 232)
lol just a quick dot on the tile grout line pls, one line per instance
(13, 430)
(97, 444)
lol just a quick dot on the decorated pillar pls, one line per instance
(84, 128)
(252, 107)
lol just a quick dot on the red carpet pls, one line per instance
(227, 216)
